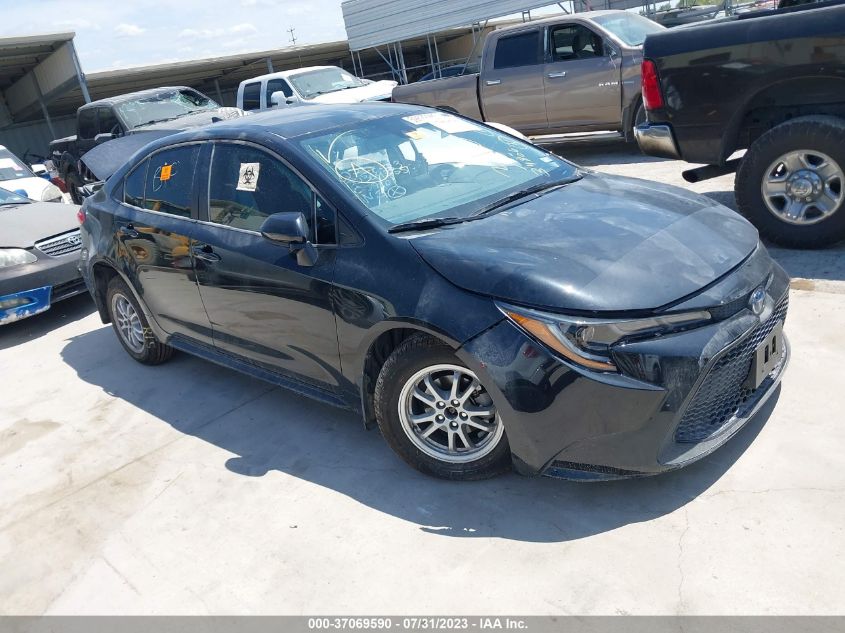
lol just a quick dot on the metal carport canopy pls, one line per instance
(34, 70)
(372, 23)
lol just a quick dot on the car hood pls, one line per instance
(371, 92)
(33, 186)
(603, 243)
(24, 224)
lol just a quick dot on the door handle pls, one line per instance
(205, 253)
(560, 73)
(493, 82)
(129, 231)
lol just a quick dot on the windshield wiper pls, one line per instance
(426, 223)
(522, 193)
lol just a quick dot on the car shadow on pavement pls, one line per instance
(591, 154)
(272, 429)
(59, 314)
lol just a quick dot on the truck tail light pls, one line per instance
(652, 95)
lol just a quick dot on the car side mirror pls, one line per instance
(279, 98)
(103, 137)
(291, 228)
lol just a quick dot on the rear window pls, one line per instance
(252, 96)
(518, 50)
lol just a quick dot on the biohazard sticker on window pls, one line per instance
(248, 176)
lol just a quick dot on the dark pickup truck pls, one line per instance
(773, 83)
(172, 108)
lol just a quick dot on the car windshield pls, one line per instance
(323, 81)
(630, 28)
(12, 168)
(431, 165)
(164, 106)
(10, 197)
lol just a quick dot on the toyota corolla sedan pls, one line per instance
(485, 303)
(39, 255)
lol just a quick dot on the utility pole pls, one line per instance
(292, 32)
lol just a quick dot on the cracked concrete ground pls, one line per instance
(189, 488)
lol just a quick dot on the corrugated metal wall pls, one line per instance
(375, 22)
(35, 137)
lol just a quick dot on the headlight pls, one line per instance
(15, 256)
(587, 342)
(51, 193)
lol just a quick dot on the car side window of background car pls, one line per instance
(252, 96)
(247, 185)
(108, 122)
(574, 41)
(277, 85)
(517, 50)
(133, 188)
(169, 184)
(87, 123)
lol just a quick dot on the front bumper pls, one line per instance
(676, 399)
(32, 288)
(656, 139)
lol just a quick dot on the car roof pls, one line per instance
(283, 74)
(300, 120)
(573, 17)
(129, 96)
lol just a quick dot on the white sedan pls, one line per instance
(16, 176)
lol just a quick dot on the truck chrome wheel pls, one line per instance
(447, 414)
(803, 187)
(128, 323)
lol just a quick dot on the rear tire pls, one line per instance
(801, 155)
(131, 326)
(451, 432)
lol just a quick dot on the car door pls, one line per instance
(262, 303)
(511, 84)
(581, 80)
(154, 224)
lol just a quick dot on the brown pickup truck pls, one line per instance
(570, 73)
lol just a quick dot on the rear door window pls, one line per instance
(169, 182)
(518, 50)
(252, 96)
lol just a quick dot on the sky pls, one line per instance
(123, 33)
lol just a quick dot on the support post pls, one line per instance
(270, 65)
(80, 76)
(219, 92)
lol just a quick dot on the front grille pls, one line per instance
(724, 393)
(63, 244)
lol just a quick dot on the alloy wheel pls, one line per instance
(128, 323)
(447, 414)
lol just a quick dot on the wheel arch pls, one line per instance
(379, 349)
(779, 102)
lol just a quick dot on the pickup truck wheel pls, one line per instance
(72, 182)
(791, 182)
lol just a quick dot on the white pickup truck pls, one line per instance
(314, 84)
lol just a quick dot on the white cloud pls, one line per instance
(244, 28)
(130, 30)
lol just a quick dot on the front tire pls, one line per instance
(437, 416)
(791, 182)
(131, 326)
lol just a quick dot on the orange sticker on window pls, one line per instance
(165, 172)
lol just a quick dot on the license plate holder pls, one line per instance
(766, 356)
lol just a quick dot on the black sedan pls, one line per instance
(484, 302)
(39, 255)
